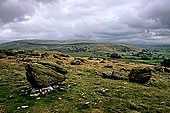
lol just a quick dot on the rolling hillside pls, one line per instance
(77, 46)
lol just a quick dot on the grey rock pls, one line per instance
(140, 74)
(2, 55)
(113, 75)
(44, 74)
(75, 62)
(108, 66)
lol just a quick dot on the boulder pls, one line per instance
(141, 74)
(107, 74)
(10, 52)
(123, 69)
(102, 61)
(108, 66)
(12, 57)
(24, 60)
(3, 55)
(82, 60)
(117, 76)
(59, 62)
(44, 74)
(57, 56)
(166, 63)
(46, 54)
(64, 55)
(166, 70)
(159, 68)
(53, 66)
(90, 58)
(75, 62)
(113, 75)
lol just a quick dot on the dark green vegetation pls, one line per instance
(84, 89)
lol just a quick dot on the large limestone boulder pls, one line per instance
(44, 74)
(141, 74)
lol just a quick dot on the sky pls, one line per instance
(129, 21)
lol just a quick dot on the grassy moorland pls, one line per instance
(84, 90)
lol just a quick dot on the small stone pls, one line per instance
(38, 98)
(69, 86)
(87, 102)
(59, 98)
(24, 107)
(61, 88)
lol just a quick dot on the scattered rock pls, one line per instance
(27, 60)
(120, 65)
(11, 97)
(123, 69)
(64, 55)
(90, 58)
(113, 75)
(117, 76)
(82, 60)
(37, 56)
(107, 74)
(57, 56)
(166, 63)
(104, 58)
(59, 62)
(22, 56)
(17, 74)
(165, 77)
(3, 55)
(10, 52)
(24, 64)
(24, 107)
(44, 74)
(166, 70)
(102, 61)
(12, 57)
(75, 62)
(24, 60)
(114, 62)
(108, 66)
(46, 54)
(159, 68)
(140, 74)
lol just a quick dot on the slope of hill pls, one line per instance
(76, 46)
(84, 90)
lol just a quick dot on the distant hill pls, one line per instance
(75, 46)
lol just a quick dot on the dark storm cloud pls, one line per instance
(15, 10)
(121, 20)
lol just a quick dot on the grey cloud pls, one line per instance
(122, 20)
(15, 10)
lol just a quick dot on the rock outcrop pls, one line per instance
(44, 74)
